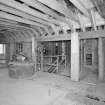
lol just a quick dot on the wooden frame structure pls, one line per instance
(38, 21)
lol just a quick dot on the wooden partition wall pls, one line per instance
(56, 50)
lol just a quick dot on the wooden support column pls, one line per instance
(11, 49)
(63, 49)
(41, 58)
(33, 49)
(75, 56)
(100, 60)
(81, 43)
(81, 56)
(34, 53)
(63, 53)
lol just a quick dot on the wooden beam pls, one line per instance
(22, 14)
(92, 34)
(81, 22)
(7, 21)
(87, 3)
(15, 25)
(25, 35)
(40, 30)
(8, 37)
(10, 34)
(45, 9)
(35, 32)
(11, 28)
(60, 8)
(28, 10)
(54, 38)
(26, 16)
(93, 20)
(17, 34)
(52, 25)
(82, 35)
(81, 7)
(100, 60)
(19, 19)
(19, 30)
(22, 7)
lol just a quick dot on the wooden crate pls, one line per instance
(21, 70)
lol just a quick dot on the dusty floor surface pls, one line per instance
(49, 89)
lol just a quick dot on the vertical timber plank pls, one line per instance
(100, 60)
(75, 66)
(34, 53)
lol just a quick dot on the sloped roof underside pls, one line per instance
(23, 19)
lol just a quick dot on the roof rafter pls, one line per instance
(80, 6)
(60, 8)
(20, 27)
(23, 20)
(45, 9)
(28, 10)
(8, 34)
(22, 14)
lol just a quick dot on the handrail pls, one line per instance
(52, 65)
(55, 61)
(62, 61)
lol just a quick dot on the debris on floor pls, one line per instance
(48, 89)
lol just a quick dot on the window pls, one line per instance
(19, 47)
(2, 48)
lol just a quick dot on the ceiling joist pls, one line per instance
(23, 28)
(23, 20)
(21, 14)
(28, 10)
(81, 7)
(60, 8)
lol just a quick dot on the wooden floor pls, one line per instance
(49, 89)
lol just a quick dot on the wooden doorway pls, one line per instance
(89, 59)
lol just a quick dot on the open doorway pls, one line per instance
(89, 60)
(54, 57)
